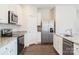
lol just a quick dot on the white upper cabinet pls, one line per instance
(20, 14)
(4, 13)
(13, 7)
(39, 18)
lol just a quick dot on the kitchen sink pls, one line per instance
(67, 35)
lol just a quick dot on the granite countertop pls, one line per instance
(5, 40)
(18, 33)
(74, 39)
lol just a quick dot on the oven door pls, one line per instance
(20, 43)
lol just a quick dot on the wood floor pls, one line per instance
(44, 49)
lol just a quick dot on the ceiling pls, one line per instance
(48, 6)
(44, 5)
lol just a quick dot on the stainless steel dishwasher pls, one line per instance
(67, 47)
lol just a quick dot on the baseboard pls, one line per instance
(56, 51)
(47, 43)
(30, 44)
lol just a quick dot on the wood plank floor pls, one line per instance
(44, 49)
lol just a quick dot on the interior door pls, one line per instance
(31, 30)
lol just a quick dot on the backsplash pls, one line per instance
(14, 28)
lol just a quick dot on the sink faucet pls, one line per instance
(70, 32)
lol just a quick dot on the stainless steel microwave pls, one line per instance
(12, 18)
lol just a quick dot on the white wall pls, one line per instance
(65, 17)
(76, 22)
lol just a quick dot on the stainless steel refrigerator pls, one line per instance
(47, 32)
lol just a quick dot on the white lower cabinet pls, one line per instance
(58, 44)
(5, 50)
(76, 49)
(10, 48)
(13, 47)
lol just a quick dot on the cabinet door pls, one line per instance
(58, 44)
(39, 18)
(55, 41)
(10, 48)
(13, 47)
(2, 51)
(20, 15)
(76, 49)
(4, 13)
(5, 50)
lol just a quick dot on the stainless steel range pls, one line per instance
(20, 44)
